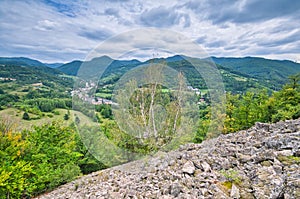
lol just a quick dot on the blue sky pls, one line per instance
(64, 30)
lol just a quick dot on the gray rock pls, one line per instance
(175, 189)
(205, 166)
(235, 192)
(262, 162)
(189, 168)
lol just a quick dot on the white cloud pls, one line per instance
(46, 25)
(57, 30)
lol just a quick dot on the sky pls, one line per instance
(65, 30)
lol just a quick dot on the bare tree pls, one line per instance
(7, 124)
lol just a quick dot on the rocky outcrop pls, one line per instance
(261, 162)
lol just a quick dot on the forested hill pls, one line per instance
(274, 71)
(239, 74)
(119, 66)
(24, 61)
(20, 61)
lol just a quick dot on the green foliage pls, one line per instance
(67, 115)
(231, 175)
(204, 122)
(270, 73)
(47, 105)
(33, 74)
(53, 156)
(14, 171)
(39, 160)
(243, 110)
(8, 99)
(289, 160)
(105, 110)
(87, 162)
(26, 116)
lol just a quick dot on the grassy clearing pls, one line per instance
(103, 95)
(21, 124)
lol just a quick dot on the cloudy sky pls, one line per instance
(64, 30)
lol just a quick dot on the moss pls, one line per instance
(227, 184)
(266, 163)
(231, 175)
(288, 160)
(76, 186)
(295, 159)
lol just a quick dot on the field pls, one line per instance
(21, 124)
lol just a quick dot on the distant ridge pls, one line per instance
(24, 61)
(259, 67)
(97, 63)
(238, 72)
(70, 68)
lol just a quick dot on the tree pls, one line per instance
(77, 120)
(66, 116)
(14, 170)
(53, 155)
(26, 116)
(294, 81)
(7, 124)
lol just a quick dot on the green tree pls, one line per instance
(66, 117)
(26, 116)
(53, 156)
(14, 170)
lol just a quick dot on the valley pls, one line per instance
(54, 120)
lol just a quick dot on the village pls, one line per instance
(87, 94)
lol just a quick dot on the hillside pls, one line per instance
(33, 74)
(20, 61)
(70, 68)
(261, 162)
(115, 66)
(239, 74)
(271, 71)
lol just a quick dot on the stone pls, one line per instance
(263, 162)
(235, 192)
(205, 166)
(175, 189)
(189, 168)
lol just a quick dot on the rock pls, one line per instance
(261, 162)
(188, 168)
(205, 166)
(175, 189)
(235, 192)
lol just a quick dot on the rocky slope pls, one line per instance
(261, 162)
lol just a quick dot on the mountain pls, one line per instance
(272, 71)
(239, 74)
(28, 71)
(54, 65)
(261, 162)
(98, 64)
(25, 75)
(20, 61)
(70, 68)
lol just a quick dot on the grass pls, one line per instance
(16, 115)
(227, 184)
(289, 160)
(103, 95)
(231, 175)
